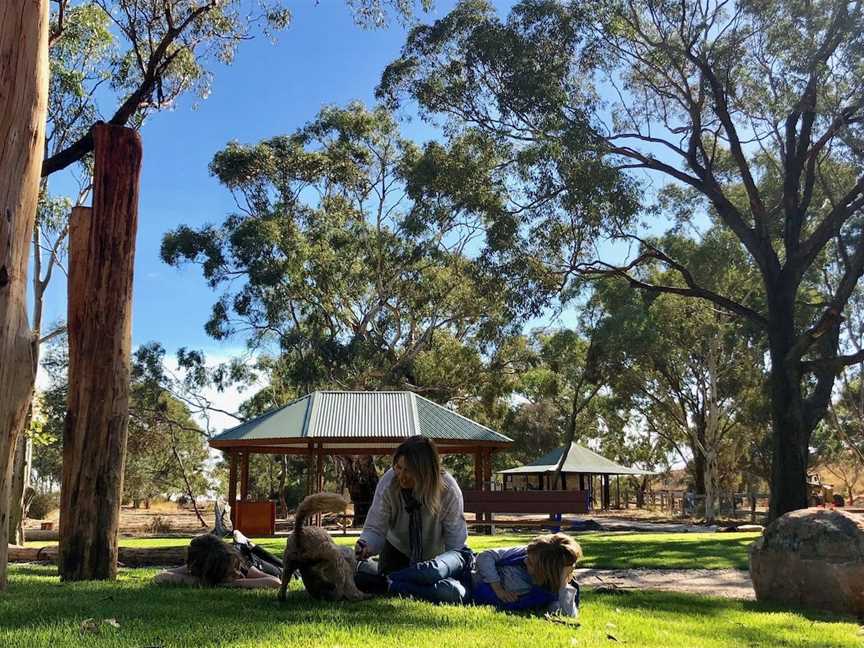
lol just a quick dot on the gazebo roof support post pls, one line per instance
(232, 486)
(310, 468)
(319, 477)
(244, 477)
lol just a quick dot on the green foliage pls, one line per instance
(335, 264)
(665, 379)
(42, 505)
(166, 450)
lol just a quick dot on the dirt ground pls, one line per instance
(162, 518)
(725, 583)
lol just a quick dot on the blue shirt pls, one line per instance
(507, 567)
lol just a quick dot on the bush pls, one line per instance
(159, 525)
(42, 505)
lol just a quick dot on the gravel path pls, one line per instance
(727, 583)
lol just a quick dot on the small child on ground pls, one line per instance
(212, 562)
(538, 576)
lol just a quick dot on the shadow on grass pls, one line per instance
(43, 608)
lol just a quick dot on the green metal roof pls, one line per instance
(579, 460)
(359, 415)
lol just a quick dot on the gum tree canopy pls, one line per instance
(749, 111)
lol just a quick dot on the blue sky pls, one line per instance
(323, 58)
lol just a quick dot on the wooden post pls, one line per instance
(23, 106)
(478, 470)
(606, 498)
(617, 491)
(319, 478)
(101, 260)
(487, 483)
(232, 486)
(244, 477)
(310, 468)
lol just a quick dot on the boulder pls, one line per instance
(812, 558)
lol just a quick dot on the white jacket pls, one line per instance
(387, 520)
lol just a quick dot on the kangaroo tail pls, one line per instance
(319, 503)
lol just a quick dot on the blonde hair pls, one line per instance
(554, 556)
(424, 465)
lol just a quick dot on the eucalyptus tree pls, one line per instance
(326, 261)
(687, 368)
(743, 107)
(332, 264)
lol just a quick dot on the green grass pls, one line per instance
(605, 550)
(38, 611)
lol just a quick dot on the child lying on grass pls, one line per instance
(211, 562)
(538, 577)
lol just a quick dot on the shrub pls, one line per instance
(42, 505)
(159, 525)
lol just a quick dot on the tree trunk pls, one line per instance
(101, 256)
(790, 427)
(361, 479)
(20, 485)
(698, 467)
(710, 481)
(23, 106)
(640, 492)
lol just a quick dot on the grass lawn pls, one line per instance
(606, 550)
(39, 611)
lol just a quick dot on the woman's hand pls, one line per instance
(502, 594)
(361, 550)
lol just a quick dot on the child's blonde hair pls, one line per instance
(554, 556)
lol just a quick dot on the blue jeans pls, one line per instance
(435, 580)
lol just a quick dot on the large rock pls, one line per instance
(812, 558)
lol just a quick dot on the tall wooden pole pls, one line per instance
(23, 108)
(101, 259)
(244, 477)
(487, 483)
(232, 486)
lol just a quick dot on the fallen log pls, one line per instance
(41, 534)
(129, 556)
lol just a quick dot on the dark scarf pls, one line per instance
(415, 525)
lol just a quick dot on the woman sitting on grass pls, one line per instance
(535, 577)
(212, 562)
(416, 512)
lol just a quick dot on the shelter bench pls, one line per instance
(485, 504)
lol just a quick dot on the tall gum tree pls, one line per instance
(746, 107)
(23, 102)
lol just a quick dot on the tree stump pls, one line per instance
(101, 258)
(23, 107)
